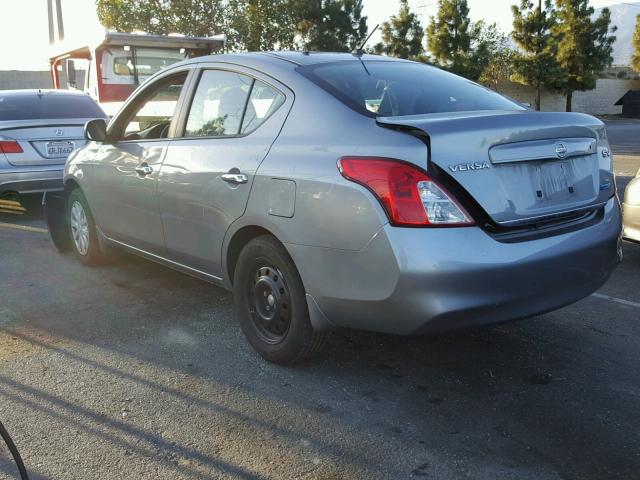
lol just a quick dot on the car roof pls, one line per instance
(312, 58)
(33, 91)
(289, 57)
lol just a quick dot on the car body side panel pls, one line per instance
(197, 206)
(124, 203)
(631, 210)
(330, 211)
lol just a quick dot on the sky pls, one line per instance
(24, 33)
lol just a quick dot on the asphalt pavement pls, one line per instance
(133, 371)
(624, 135)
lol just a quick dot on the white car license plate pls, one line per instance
(59, 149)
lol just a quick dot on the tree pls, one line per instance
(635, 59)
(402, 35)
(189, 17)
(584, 46)
(330, 25)
(535, 64)
(449, 36)
(494, 55)
(255, 25)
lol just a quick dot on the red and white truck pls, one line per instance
(116, 63)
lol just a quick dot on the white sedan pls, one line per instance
(631, 210)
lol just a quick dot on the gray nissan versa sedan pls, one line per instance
(345, 190)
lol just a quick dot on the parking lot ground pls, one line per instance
(133, 371)
(624, 134)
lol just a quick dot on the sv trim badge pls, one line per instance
(465, 167)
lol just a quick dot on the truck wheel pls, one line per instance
(82, 230)
(271, 303)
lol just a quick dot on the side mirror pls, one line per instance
(96, 130)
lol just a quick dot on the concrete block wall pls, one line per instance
(599, 101)
(18, 79)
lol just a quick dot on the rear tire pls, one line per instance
(271, 303)
(82, 230)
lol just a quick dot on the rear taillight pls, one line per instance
(406, 192)
(10, 146)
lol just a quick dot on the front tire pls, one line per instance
(82, 230)
(271, 303)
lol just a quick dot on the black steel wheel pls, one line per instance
(271, 303)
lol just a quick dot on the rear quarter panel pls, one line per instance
(329, 211)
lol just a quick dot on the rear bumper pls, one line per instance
(31, 181)
(411, 281)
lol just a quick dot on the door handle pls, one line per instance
(144, 170)
(235, 178)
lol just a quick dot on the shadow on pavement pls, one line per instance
(544, 398)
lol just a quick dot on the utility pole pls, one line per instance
(52, 33)
(60, 22)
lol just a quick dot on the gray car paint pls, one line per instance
(515, 139)
(358, 270)
(191, 193)
(125, 203)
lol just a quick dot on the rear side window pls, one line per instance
(264, 100)
(390, 89)
(48, 105)
(228, 104)
(218, 104)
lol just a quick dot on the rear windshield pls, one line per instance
(48, 105)
(390, 89)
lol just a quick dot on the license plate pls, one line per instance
(556, 181)
(59, 149)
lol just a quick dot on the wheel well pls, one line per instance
(70, 186)
(237, 243)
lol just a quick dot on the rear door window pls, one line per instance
(219, 104)
(230, 104)
(264, 100)
(48, 105)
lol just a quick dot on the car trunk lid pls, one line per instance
(521, 167)
(44, 142)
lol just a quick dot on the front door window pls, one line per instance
(151, 118)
